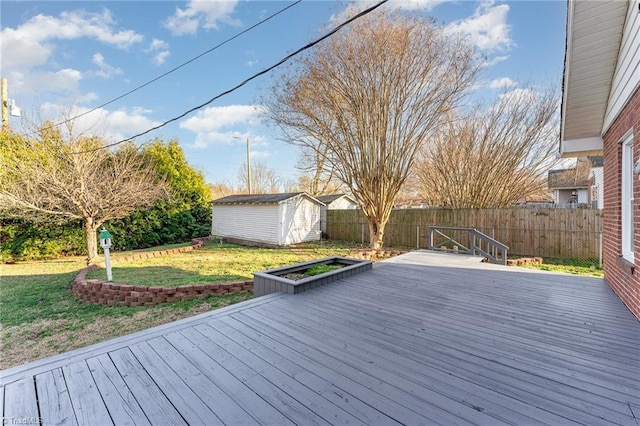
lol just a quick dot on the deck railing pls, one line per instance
(475, 243)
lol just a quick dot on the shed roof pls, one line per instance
(262, 198)
(328, 199)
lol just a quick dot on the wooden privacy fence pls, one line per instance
(557, 233)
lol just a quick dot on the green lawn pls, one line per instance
(569, 266)
(213, 263)
(40, 317)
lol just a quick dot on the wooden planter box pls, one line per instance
(272, 280)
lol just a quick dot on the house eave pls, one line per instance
(584, 147)
(591, 26)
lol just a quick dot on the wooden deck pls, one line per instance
(421, 339)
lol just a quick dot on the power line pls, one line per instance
(253, 77)
(246, 30)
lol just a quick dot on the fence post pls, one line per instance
(418, 237)
(600, 249)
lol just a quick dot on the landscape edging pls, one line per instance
(98, 291)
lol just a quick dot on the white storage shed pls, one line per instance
(334, 202)
(267, 219)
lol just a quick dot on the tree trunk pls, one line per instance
(91, 230)
(376, 233)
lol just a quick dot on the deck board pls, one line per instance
(87, 402)
(153, 401)
(119, 400)
(20, 401)
(554, 391)
(187, 402)
(260, 411)
(55, 403)
(318, 410)
(422, 338)
(225, 408)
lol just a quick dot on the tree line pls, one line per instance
(58, 188)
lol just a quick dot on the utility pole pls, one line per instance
(5, 106)
(249, 164)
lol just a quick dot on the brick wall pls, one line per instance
(623, 278)
(97, 291)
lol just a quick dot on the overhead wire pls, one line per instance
(247, 80)
(172, 70)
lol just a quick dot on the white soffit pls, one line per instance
(594, 33)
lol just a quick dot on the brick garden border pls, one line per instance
(196, 243)
(98, 291)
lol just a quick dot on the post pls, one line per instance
(5, 105)
(249, 164)
(418, 237)
(362, 232)
(600, 249)
(107, 264)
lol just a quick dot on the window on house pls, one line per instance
(627, 197)
(594, 196)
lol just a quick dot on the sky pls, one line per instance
(70, 57)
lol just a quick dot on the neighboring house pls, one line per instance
(535, 201)
(570, 186)
(596, 186)
(267, 219)
(601, 116)
(334, 202)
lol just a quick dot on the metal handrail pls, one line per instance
(479, 243)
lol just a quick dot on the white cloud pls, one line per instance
(516, 95)
(493, 61)
(201, 13)
(252, 59)
(218, 125)
(357, 6)
(157, 44)
(160, 58)
(30, 44)
(425, 5)
(59, 81)
(111, 125)
(259, 154)
(487, 27)
(160, 51)
(502, 83)
(105, 70)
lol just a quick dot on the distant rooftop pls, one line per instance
(576, 177)
(259, 198)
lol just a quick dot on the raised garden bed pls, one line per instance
(275, 280)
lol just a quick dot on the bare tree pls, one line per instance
(65, 176)
(493, 156)
(318, 176)
(369, 97)
(263, 179)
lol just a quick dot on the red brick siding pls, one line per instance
(624, 279)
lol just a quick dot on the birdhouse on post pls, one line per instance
(105, 243)
(105, 238)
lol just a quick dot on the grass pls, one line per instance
(569, 266)
(321, 269)
(39, 316)
(214, 263)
